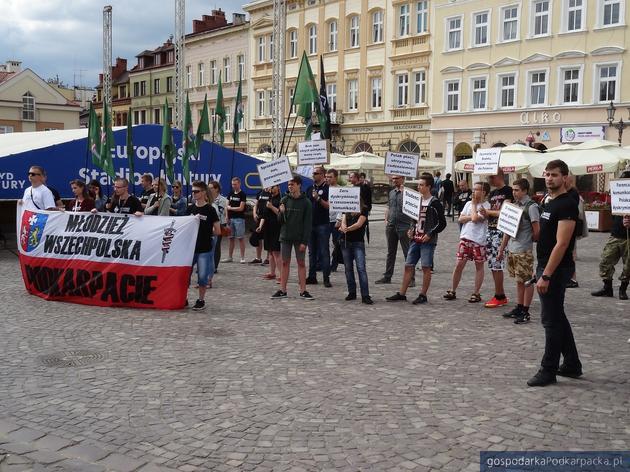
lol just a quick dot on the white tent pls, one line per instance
(515, 159)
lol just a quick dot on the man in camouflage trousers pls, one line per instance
(616, 248)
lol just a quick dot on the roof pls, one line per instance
(5, 75)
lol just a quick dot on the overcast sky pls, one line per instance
(65, 37)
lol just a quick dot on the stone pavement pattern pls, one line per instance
(263, 385)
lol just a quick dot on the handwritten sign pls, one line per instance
(620, 196)
(345, 199)
(313, 152)
(412, 203)
(275, 172)
(397, 163)
(509, 219)
(487, 161)
(592, 220)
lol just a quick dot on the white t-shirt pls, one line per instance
(472, 231)
(38, 198)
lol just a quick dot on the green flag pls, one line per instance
(238, 111)
(305, 88)
(203, 127)
(305, 110)
(220, 112)
(188, 141)
(167, 144)
(94, 138)
(130, 151)
(107, 142)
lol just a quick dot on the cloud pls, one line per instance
(58, 37)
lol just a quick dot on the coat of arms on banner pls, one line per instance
(32, 229)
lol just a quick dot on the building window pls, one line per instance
(508, 90)
(332, 36)
(575, 13)
(607, 75)
(454, 33)
(136, 117)
(143, 87)
(570, 85)
(271, 54)
(480, 28)
(612, 12)
(312, 39)
(452, 95)
(261, 48)
(136, 89)
(377, 87)
(271, 102)
(363, 146)
(537, 88)
(410, 147)
(200, 77)
(509, 23)
(260, 109)
(402, 90)
(353, 95)
(292, 105)
(28, 107)
(156, 86)
(354, 32)
(156, 116)
(188, 77)
(479, 88)
(377, 26)
(6, 129)
(422, 16)
(403, 20)
(241, 65)
(143, 117)
(226, 69)
(331, 92)
(213, 72)
(123, 91)
(228, 119)
(169, 84)
(541, 17)
(293, 44)
(419, 87)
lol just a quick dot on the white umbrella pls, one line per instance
(364, 154)
(358, 163)
(515, 159)
(265, 156)
(425, 164)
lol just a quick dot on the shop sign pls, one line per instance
(581, 134)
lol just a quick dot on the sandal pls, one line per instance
(449, 295)
(475, 298)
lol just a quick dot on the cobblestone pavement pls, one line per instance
(257, 384)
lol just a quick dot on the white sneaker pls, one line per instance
(226, 260)
(243, 261)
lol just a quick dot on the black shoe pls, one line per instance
(199, 305)
(384, 280)
(306, 296)
(311, 281)
(605, 291)
(351, 296)
(397, 297)
(186, 303)
(279, 294)
(566, 371)
(522, 318)
(265, 262)
(367, 300)
(542, 379)
(514, 313)
(623, 294)
(572, 284)
(327, 283)
(255, 260)
(422, 298)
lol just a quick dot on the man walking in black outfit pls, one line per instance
(555, 267)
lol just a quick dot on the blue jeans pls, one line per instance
(336, 235)
(203, 261)
(319, 250)
(212, 265)
(355, 252)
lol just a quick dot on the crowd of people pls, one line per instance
(285, 226)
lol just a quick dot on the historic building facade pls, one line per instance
(121, 99)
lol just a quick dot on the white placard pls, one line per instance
(313, 152)
(345, 199)
(412, 203)
(305, 171)
(592, 219)
(397, 163)
(620, 196)
(509, 219)
(487, 161)
(274, 172)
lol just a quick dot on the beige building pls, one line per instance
(121, 100)
(524, 71)
(376, 59)
(29, 103)
(216, 47)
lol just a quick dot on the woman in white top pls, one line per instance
(159, 202)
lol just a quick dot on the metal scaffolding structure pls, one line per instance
(107, 57)
(180, 32)
(279, 28)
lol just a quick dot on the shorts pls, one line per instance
(285, 248)
(422, 252)
(494, 239)
(471, 251)
(237, 226)
(271, 239)
(203, 261)
(520, 266)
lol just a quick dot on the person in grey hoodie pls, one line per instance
(296, 218)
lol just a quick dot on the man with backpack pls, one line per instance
(424, 239)
(520, 258)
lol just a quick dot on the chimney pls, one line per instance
(13, 66)
(238, 18)
(210, 22)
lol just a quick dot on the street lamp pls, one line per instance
(620, 125)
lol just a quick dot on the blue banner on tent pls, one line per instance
(66, 161)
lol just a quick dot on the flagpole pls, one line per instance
(213, 144)
(289, 116)
(291, 134)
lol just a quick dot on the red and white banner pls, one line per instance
(107, 259)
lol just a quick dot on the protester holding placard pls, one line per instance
(520, 259)
(147, 189)
(178, 201)
(159, 202)
(319, 242)
(122, 202)
(38, 196)
(353, 248)
(97, 194)
(334, 218)
(256, 238)
(82, 200)
(472, 241)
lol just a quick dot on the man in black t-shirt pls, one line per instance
(449, 191)
(464, 195)
(147, 189)
(555, 267)
(122, 202)
(257, 236)
(319, 242)
(235, 219)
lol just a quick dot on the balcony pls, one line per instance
(263, 69)
(411, 45)
(408, 113)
